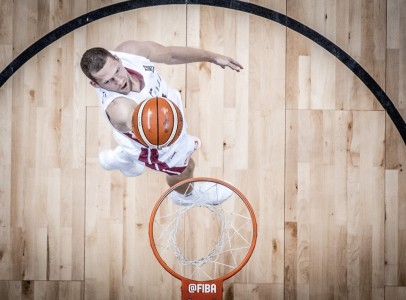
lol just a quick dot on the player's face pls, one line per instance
(114, 77)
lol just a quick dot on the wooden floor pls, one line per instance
(296, 131)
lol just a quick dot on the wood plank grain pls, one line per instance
(326, 181)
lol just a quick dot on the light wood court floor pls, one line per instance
(296, 131)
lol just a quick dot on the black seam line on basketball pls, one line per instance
(250, 8)
(157, 121)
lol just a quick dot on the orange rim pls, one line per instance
(197, 179)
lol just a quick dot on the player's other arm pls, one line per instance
(120, 112)
(177, 54)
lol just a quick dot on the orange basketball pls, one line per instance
(157, 122)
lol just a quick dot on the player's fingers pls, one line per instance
(235, 65)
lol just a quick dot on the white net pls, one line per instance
(173, 232)
(201, 241)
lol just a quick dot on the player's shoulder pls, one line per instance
(139, 48)
(119, 103)
(134, 48)
(129, 57)
(118, 111)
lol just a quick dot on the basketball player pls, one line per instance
(125, 77)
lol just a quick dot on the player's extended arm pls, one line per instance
(176, 54)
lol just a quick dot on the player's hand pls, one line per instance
(224, 61)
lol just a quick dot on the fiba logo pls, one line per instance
(201, 288)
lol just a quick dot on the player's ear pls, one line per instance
(94, 84)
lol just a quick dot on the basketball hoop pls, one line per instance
(205, 240)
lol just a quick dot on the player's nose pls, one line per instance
(119, 80)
